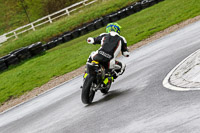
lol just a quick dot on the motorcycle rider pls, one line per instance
(111, 45)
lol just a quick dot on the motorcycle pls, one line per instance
(94, 80)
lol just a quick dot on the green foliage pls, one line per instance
(12, 13)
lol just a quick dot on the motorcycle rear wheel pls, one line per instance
(88, 93)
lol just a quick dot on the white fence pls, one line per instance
(44, 20)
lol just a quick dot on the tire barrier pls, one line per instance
(105, 20)
(137, 7)
(45, 46)
(49, 45)
(11, 60)
(37, 48)
(55, 42)
(83, 31)
(75, 33)
(58, 41)
(22, 53)
(67, 37)
(98, 23)
(130, 10)
(114, 17)
(3, 65)
(145, 4)
(90, 27)
(4, 57)
(122, 13)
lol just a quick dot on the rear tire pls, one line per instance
(88, 93)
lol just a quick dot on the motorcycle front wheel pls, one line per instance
(88, 93)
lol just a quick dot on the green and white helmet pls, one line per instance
(113, 27)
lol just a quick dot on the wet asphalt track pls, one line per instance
(137, 102)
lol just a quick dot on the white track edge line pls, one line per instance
(166, 83)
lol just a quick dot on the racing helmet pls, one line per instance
(113, 27)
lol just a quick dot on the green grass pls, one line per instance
(69, 56)
(66, 24)
(12, 14)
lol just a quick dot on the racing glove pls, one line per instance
(90, 40)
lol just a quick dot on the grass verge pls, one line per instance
(43, 34)
(69, 56)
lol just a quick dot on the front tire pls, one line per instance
(88, 93)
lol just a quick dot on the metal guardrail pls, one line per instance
(44, 20)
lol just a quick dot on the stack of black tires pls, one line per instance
(101, 22)
(21, 54)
